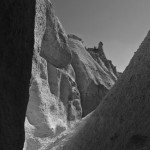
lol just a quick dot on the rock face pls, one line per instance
(16, 49)
(65, 77)
(54, 102)
(121, 122)
(93, 77)
(99, 56)
(66, 84)
(54, 44)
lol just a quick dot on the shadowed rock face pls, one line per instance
(16, 49)
(121, 122)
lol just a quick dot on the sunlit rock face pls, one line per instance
(54, 43)
(66, 84)
(54, 102)
(121, 121)
(93, 78)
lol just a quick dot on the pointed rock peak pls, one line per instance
(100, 49)
(100, 46)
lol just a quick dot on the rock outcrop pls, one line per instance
(16, 50)
(54, 102)
(54, 43)
(98, 55)
(66, 84)
(93, 78)
(121, 121)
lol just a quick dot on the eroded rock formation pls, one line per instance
(66, 84)
(54, 102)
(93, 79)
(98, 55)
(121, 122)
(54, 43)
(16, 49)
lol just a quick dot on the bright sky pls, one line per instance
(120, 24)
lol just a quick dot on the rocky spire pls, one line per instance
(100, 50)
(100, 46)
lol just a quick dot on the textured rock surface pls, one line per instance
(63, 74)
(16, 49)
(54, 102)
(54, 76)
(93, 79)
(99, 55)
(70, 97)
(121, 122)
(54, 44)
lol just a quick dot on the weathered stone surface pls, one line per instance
(121, 122)
(45, 112)
(62, 84)
(70, 97)
(16, 49)
(54, 44)
(42, 104)
(54, 102)
(93, 80)
(54, 77)
(99, 56)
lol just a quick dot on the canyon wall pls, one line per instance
(54, 102)
(16, 50)
(66, 83)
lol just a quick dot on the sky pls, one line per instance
(120, 24)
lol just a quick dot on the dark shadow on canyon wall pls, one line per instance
(16, 50)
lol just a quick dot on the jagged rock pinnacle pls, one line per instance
(100, 46)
